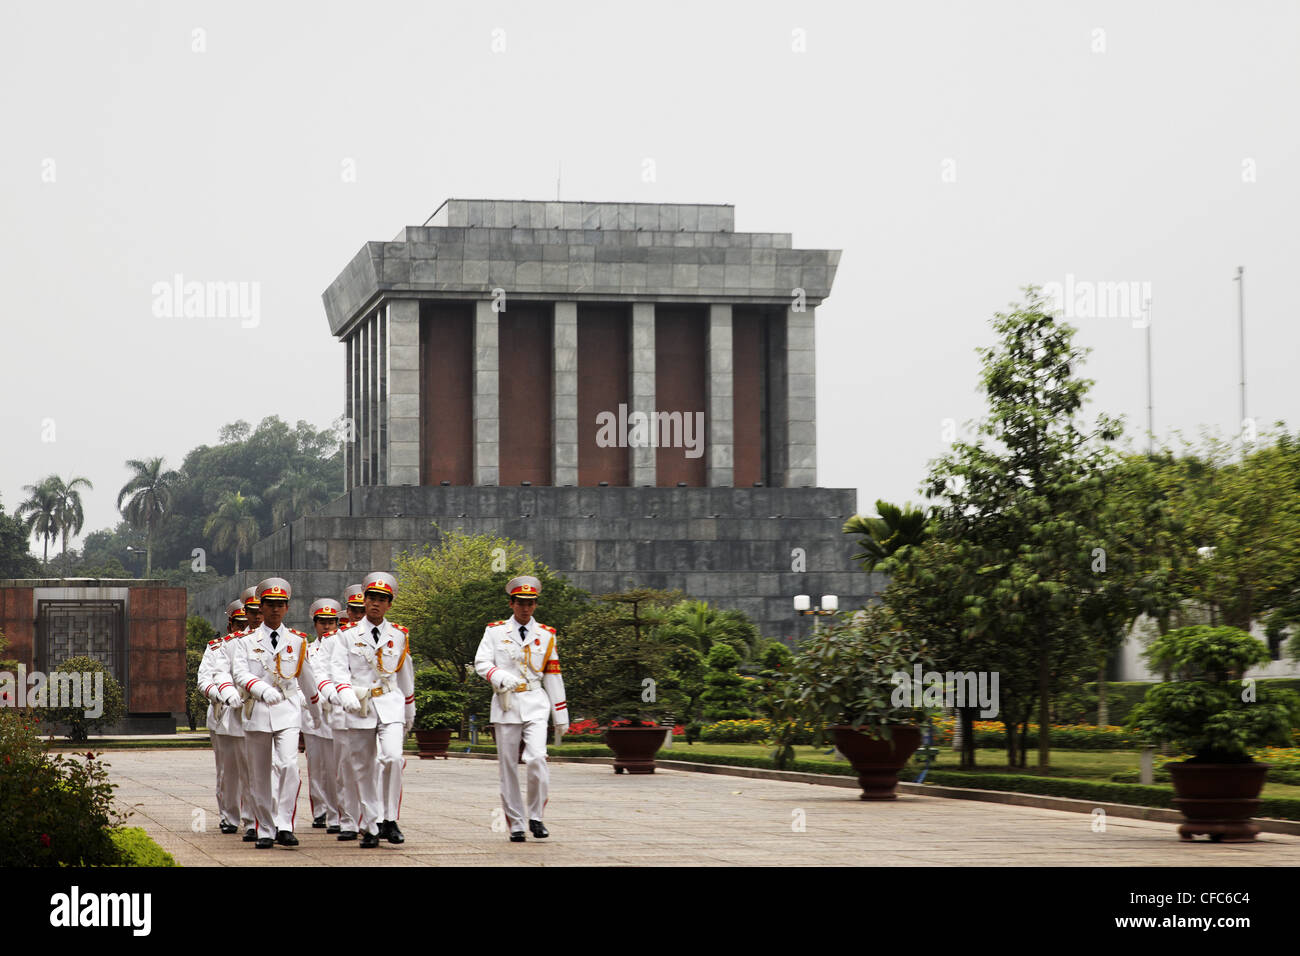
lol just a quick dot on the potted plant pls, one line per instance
(440, 700)
(1210, 712)
(629, 684)
(853, 679)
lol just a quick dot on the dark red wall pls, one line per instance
(17, 610)
(156, 649)
(680, 369)
(525, 344)
(447, 395)
(603, 341)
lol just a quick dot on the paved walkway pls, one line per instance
(670, 818)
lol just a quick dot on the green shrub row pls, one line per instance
(137, 848)
(1064, 738)
(1132, 693)
(1286, 775)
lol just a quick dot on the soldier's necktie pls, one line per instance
(274, 636)
(523, 633)
(374, 632)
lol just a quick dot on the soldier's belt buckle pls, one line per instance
(376, 692)
(521, 688)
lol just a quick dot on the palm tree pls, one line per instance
(883, 537)
(697, 625)
(39, 514)
(148, 495)
(234, 523)
(294, 495)
(68, 513)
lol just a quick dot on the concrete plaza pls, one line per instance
(670, 818)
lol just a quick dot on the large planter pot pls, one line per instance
(877, 761)
(432, 743)
(1218, 799)
(634, 747)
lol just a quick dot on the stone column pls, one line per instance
(801, 399)
(487, 395)
(642, 391)
(564, 391)
(403, 392)
(719, 413)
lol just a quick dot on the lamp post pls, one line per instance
(803, 606)
(136, 551)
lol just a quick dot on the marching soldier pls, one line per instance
(225, 725)
(322, 762)
(517, 657)
(252, 621)
(355, 601)
(372, 670)
(268, 663)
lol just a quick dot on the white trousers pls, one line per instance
(373, 778)
(322, 778)
(273, 768)
(507, 738)
(229, 754)
(246, 816)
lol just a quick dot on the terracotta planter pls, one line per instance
(634, 747)
(432, 743)
(1218, 799)
(877, 761)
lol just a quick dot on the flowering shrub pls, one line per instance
(593, 730)
(992, 733)
(54, 810)
(737, 731)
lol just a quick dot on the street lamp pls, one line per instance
(803, 606)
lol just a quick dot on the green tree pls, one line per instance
(1018, 503)
(693, 623)
(16, 560)
(147, 495)
(80, 725)
(296, 494)
(69, 515)
(881, 538)
(39, 513)
(727, 695)
(234, 524)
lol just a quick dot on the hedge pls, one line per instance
(139, 849)
(1133, 692)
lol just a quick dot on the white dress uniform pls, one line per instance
(271, 730)
(225, 728)
(374, 662)
(322, 762)
(511, 655)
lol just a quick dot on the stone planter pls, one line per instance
(432, 743)
(1218, 799)
(877, 761)
(634, 747)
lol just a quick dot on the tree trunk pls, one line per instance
(236, 562)
(1044, 702)
(1103, 708)
(967, 717)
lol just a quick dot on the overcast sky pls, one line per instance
(953, 151)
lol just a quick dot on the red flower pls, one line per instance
(45, 839)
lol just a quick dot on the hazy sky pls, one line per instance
(953, 151)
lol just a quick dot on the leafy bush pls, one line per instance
(55, 810)
(727, 694)
(736, 731)
(137, 848)
(1207, 712)
(79, 726)
(196, 705)
(440, 699)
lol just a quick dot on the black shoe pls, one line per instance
(369, 841)
(334, 829)
(318, 823)
(517, 836)
(383, 829)
(229, 828)
(539, 831)
(393, 834)
(286, 838)
(250, 835)
(348, 835)
(265, 843)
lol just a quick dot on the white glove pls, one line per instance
(509, 682)
(332, 697)
(560, 731)
(349, 701)
(230, 697)
(271, 696)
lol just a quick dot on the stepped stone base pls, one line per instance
(749, 549)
